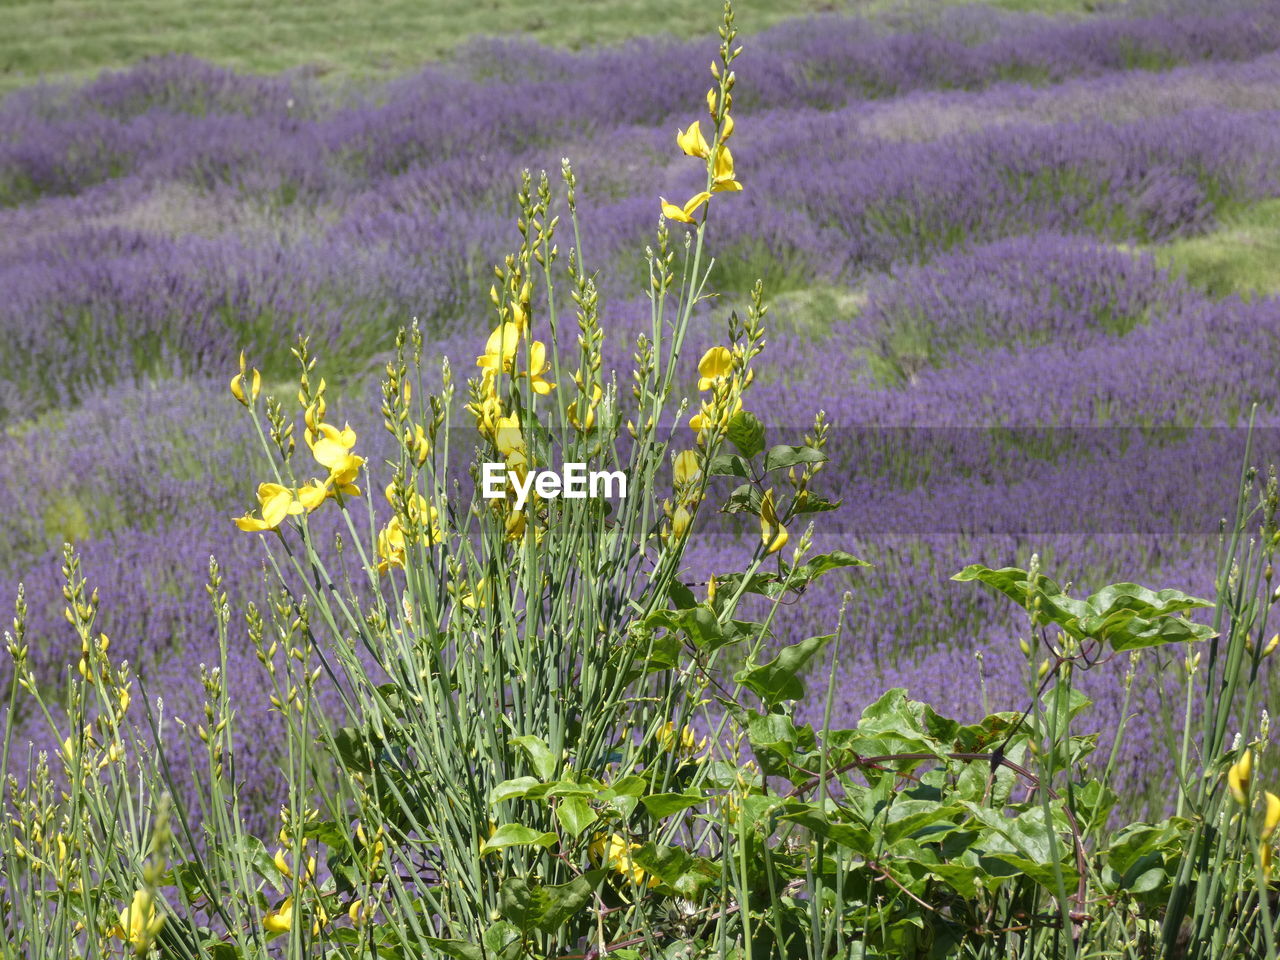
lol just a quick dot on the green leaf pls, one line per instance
(575, 815)
(782, 456)
(458, 949)
(777, 680)
(744, 499)
(665, 804)
(729, 465)
(503, 941)
(681, 596)
(809, 502)
(1126, 616)
(539, 754)
(532, 906)
(687, 875)
(746, 432)
(516, 835)
(824, 563)
(851, 835)
(507, 789)
(1143, 602)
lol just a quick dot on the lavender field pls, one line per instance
(955, 220)
(960, 218)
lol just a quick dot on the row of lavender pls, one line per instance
(163, 218)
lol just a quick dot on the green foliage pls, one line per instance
(1239, 257)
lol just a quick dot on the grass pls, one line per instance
(1242, 256)
(75, 39)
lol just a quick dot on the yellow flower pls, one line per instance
(726, 129)
(515, 525)
(680, 521)
(470, 599)
(487, 411)
(417, 443)
(686, 743)
(684, 214)
(1264, 856)
(333, 451)
(1239, 775)
(280, 919)
(313, 493)
(715, 364)
(277, 502)
(139, 922)
(237, 384)
(578, 423)
(772, 533)
(711, 102)
(500, 349)
(361, 912)
(506, 435)
(615, 852)
(710, 414)
(686, 468)
(691, 141)
(722, 175)
(1272, 817)
(538, 366)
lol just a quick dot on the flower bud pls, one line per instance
(1239, 775)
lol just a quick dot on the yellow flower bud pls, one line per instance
(1272, 817)
(1239, 776)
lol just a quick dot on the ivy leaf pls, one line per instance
(777, 680)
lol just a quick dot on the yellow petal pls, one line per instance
(697, 200)
(686, 468)
(672, 212)
(715, 363)
(692, 142)
(726, 128)
(772, 533)
(1272, 817)
(250, 524)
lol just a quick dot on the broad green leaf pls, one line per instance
(575, 815)
(850, 835)
(825, 563)
(507, 789)
(777, 680)
(458, 949)
(1143, 602)
(532, 906)
(539, 754)
(686, 874)
(729, 465)
(503, 941)
(516, 835)
(665, 804)
(782, 456)
(746, 432)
